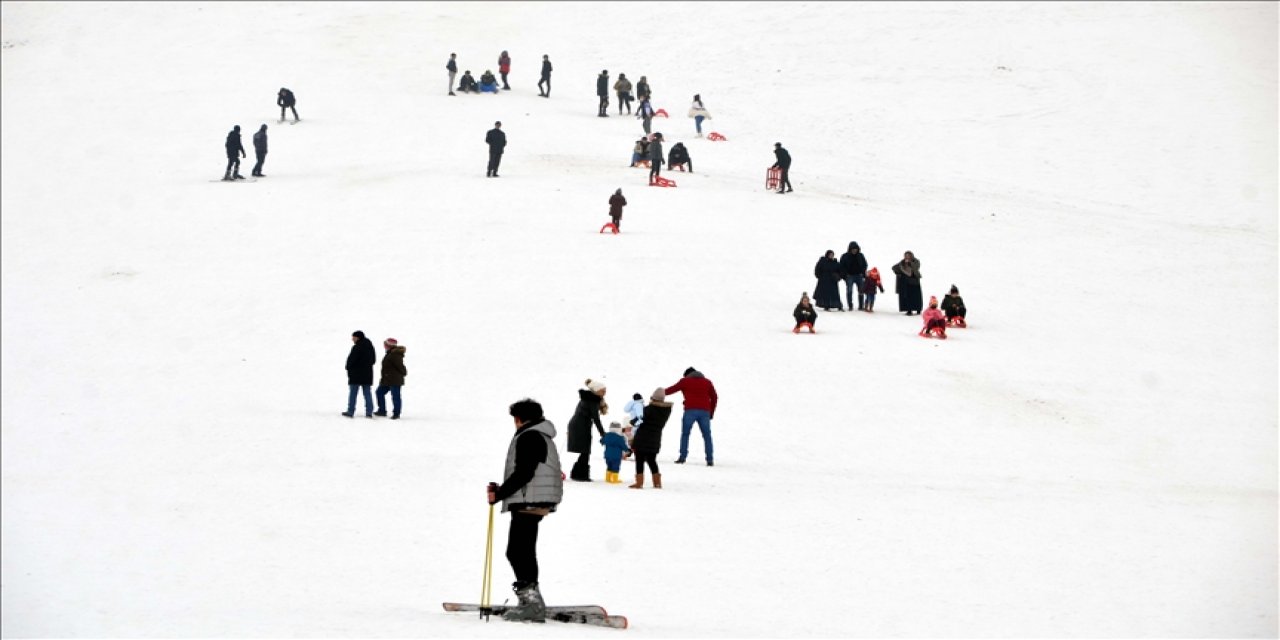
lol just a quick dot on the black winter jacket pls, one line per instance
(649, 436)
(586, 414)
(360, 363)
(496, 139)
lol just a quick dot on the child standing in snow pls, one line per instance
(869, 286)
(615, 444)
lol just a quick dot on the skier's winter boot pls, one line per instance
(639, 482)
(531, 607)
(226, 177)
(657, 481)
(238, 177)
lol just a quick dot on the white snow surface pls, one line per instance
(1096, 456)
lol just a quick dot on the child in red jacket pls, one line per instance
(869, 286)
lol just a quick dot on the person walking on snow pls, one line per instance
(260, 150)
(393, 373)
(645, 113)
(452, 66)
(497, 141)
(546, 77)
(623, 88)
(360, 373)
(655, 158)
(591, 406)
(698, 113)
(532, 488)
(602, 91)
(235, 151)
(616, 203)
(783, 163)
(700, 401)
(504, 67)
(647, 442)
(285, 100)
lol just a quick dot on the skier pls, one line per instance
(260, 149)
(497, 141)
(700, 401)
(452, 66)
(853, 266)
(546, 77)
(591, 406)
(679, 157)
(655, 158)
(623, 87)
(235, 151)
(907, 284)
(614, 444)
(285, 100)
(532, 489)
(616, 203)
(804, 313)
(698, 113)
(504, 67)
(827, 292)
(647, 442)
(784, 163)
(602, 91)
(360, 373)
(393, 373)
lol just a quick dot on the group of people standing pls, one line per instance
(235, 148)
(360, 363)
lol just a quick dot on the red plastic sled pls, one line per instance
(661, 113)
(772, 177)
(715, 137)
(938, 332)
(608, 226)
(957, 321)
(662, 182)
(802, 325)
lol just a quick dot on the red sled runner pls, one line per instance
(659, 181)
(771, 178)
(609, 226)
(957, 321)
(802, 325)
(716, 137)
(938, 331)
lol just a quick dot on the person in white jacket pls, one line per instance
(698, 113)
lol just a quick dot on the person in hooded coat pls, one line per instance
(285, 100)
(907, 284)
(360, 373)
(235, 151)
(679, 157)
(623, 89)
(648, 441)
(393, 374)
(827, 271)
(591, 406)
(616, 203)
(655, 158)
(602, 91)
(504, 67)
(853, 266)
(260, 150)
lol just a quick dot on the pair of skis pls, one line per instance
(574, 614)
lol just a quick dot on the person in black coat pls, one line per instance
(602, 91)
(546, 77)
(260, 149)
(647, 442)
(360, 373)
(497, 141)
(591, 406)
(827, 271)
(235, 151)
(853, 267)
(655, 158)
(784, 164)
(285, 100)
(907, 284)
(679, 156)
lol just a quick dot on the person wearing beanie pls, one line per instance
(532, 489)
(907, 285)
(934, 324)
(591, 406)
(393, 373)
(867, 292)
(615, 444)
(953, 306)
(647, 442)
(504, 67)
(853, 268)
(783, 164)
(360, 374)
(616, 203)
(804, 314)
(700, 401)
(602, 91)
(497, 141)
(235, 151)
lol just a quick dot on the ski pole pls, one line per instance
(486, 588)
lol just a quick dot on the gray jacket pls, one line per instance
(655, 153)
(547, 487)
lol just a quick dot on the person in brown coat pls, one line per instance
(616, 203)
(393, 373)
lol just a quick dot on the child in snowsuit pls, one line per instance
(953, 305)
(868, 288)
(635, 409)
(615, 444)
(804, 313)
(933, 320)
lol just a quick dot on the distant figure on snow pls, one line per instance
(934, 323)
(655, 158)
(827, 271)
(546, 77)
(615, 445)
(868, 290)
(804, 313)
(235, 151)
(700, 401)
(853, 267)
(647, 442)
(642, 88)
(640, 153)
(591, 406)
(488, 83)
(645, 113)
(602, 91)
(497, 141)
(783, 163)
(360, 373)
(285, 100)
(698, 113)
(393, 373)
(504, 67)
(623, 88)
(452, 66)
(616, 203)
(953, 305)
(260, 150)
(679, 157)
(907, 285)
(468, 83)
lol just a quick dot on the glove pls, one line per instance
(492, 491)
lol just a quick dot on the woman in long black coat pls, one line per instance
(827, 271)
(648, 439)
(590, 407)
(907, 286)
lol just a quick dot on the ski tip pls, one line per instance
(619, 622)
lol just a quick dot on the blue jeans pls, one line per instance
(368, 399)
(853, 283)
(697, 122)
(395, 398)
(703, 418)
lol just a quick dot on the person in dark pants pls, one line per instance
(531, 490)
(393, 373)
(784, 163)
(679, 156)
(260, 150)
(616, 203)
(853, 268)
(285, 100)
(602, 91)
(623, 88)
(591, 406)
(504, 67)
(497, 141)
(648, 444)
(655, 158)
(452, 67)
(235, 151)
(360, 373)
(546, 77)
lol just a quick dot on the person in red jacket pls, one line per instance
(699, 406)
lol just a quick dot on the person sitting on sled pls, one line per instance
(934, 323)
(804, 313)
(953, 305)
